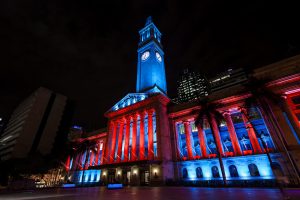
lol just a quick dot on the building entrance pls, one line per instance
(126, 177)
(111, 177)
(144, 177)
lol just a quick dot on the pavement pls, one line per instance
(151, 193)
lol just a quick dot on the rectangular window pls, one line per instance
(264, 137)
(196, 143)
(182, 149)
(298, 117)
(241, 131)
(296, 100)
(294, 104)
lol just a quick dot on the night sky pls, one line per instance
(87, 50)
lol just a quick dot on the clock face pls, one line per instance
(145, 55)
(158, 56)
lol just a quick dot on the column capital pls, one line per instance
(225, 113)
(134, 116)
(178, 122)
(150, 111)
(112, 122)
(128, 118)
(141, 113)
(243, 110)
(121, 120)
(186, 122)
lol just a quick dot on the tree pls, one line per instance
(209, 112)
(261, 97)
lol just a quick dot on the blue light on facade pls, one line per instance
(90, 176)
(240, 163)
(71, 164)
(150, 69)
(77, 127)
(129, 100)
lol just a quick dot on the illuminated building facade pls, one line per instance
(88, 152)
(151, 75)
(151, 140)
(137, 123)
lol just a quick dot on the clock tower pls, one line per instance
(151, 76)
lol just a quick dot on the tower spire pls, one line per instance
(148, 20)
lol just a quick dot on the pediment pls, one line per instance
(128, 100)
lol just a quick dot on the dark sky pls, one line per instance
(86, 50)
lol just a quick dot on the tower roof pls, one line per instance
(148, 20)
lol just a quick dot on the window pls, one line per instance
(294, 104)
(233, 171)
(184, 173)
(253, 170)
(199, 172)
(194, 128)
(298, 116)
(296, 99)
(237, 118)
(215, 172)
(254, 114)
(181, 141)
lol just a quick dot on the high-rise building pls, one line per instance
(1, 125)
(34, 125)
(227, 79)
(191, 85)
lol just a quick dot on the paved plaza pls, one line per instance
(152, 193)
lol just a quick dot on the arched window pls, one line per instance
(253, 170)
(233, 171)
(184, 173)
(215, 172)
(199, 172)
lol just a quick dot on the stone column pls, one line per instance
(150, 135)
(109, 138)
(103, 150)
(97, 154)
(188, 139)
(127, 134)
(133, 144)
(217, 134)
(113, 142)
(251, 133)
(142, 136)
(202, 142)
(120, 141)
(91, 157)
(234, 140)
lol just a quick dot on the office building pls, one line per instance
(36, 125)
